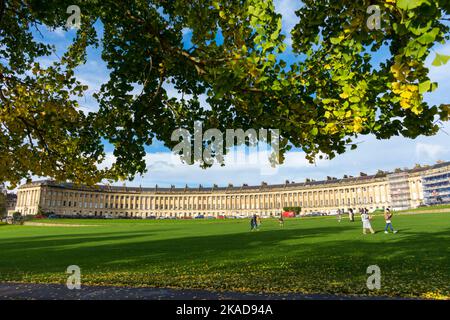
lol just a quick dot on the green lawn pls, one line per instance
(310, 255)
(430, 208)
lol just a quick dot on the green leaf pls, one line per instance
(440, 60)
(410, 4)
(355, 99)
(428, 37)
(424, 86)
(335, 40)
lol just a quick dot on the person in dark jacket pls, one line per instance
(253, 223)
(351, 215)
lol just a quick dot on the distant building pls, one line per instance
(400, 190)
(9, 198)
(11, 202)
(3, 189)
(436, 187)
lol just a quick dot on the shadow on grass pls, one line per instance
(133, 248)
(138, 247)
(318, 258)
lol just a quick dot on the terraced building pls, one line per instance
(399, 189)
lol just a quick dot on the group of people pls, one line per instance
(351, 214)
(367, 226)
(366, 218)
(255, 222)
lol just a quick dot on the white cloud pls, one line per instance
(59, 32)
(429, 151)
(440, 75)
(186, 31)
(165, 168)
(172, 92)
(287, 9)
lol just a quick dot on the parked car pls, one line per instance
(53, 216)
(200, 216)
(313, 214)
(151, 217)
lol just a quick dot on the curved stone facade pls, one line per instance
(372, 192)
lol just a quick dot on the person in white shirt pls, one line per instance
(365, 218)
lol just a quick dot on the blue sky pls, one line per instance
(165, 169)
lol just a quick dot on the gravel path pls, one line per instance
(22, 291)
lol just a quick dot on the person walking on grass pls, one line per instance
(351, 215)
(253, 223)
(258, 222)
(281, 220)
(339, 215)
(365, 218)
(387, 218)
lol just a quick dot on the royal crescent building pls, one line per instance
(401, 189)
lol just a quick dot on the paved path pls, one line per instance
(15, 291)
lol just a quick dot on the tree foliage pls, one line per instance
(332, 91)
(2, 205)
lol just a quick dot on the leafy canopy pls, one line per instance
(321, 100)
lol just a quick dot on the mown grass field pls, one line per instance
(430, 208)
(309, 255)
